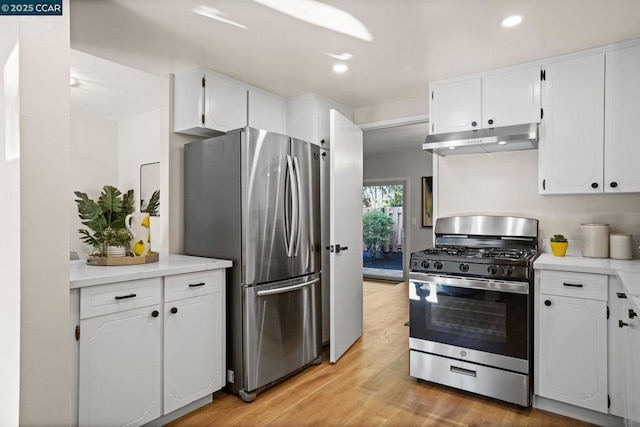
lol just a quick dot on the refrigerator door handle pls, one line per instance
(297, 206)
(287, 288)
(291, 226)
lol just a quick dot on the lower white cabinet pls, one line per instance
(573, 340)
(631, 327)
(147, 349)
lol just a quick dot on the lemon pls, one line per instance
(138, 248)
(145, 222)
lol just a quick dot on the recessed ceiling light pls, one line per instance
(322, 15)
(340, 56)
(511, 21)
(340, 68)
(73, 81)
(213, 13)
(452, 148)
(502, 142)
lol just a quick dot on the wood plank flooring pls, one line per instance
(369, 386)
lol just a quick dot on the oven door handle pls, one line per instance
(459, 282)
(462, 371)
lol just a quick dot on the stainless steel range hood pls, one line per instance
(508, 138)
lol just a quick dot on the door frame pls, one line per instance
(405, 182)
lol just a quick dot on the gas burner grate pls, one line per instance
(500, 253)
(447, 250)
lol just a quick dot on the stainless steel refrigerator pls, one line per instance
(253, 197)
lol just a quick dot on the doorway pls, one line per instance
(383, 207)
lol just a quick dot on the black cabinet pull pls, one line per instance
(572, 285)
(322, 141)
(490, 121)
(324, 154)
(613, 184)
(474, 124)
(547, 303)
(621, 295)
(594, 185)
(174, 310)
(155, 313)
(622, 324)
(195, 285)
(632, 314)
(125, 296)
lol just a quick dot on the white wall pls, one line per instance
(94, 160)
(392, 110)
(9, 224)
(45, 389)
(506, 184)
(413, 164)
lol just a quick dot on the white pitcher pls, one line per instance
(138, 225)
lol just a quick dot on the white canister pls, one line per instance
(595, 240)
(620, 246)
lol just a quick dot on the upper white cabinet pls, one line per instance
(622, 109)
(267, 111)
(208, 103)
(572, 132)
(308, 118)
(498, 99)
(588, 138)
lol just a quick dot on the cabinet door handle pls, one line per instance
(195, 285)
(632, 314)
(490, 121)
(474, 124)
(572, 285)
(613, 184)
(547, 303)
(118, 297)
(173, 310)
(621, 324)
(621, 295)
(594, 185)
(155, 313)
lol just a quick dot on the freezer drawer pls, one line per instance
(283, 329)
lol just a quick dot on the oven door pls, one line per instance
(479, 320)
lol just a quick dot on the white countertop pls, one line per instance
(628, 271)
(82, 275)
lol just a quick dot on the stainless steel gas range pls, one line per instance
(470, 302)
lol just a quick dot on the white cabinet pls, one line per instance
(308, 118)
(498, 99)
(622, 109)
(572, 132)
(143, 355)
(616, 356)
(208, 103)
(194, 337)
(572, 348)
(120, 360)
(267, 111)
(632, 362)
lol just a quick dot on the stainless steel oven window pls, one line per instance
(472, 318)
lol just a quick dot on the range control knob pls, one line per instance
(506, 271)
(437, 265)
(492, 269)
(425, 264)
(464, 267)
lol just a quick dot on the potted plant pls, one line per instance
(117, 241)
(559, 245)
(376, 229)
(109, 211)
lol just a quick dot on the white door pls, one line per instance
(345, 232)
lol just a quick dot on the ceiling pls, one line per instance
(414, 42)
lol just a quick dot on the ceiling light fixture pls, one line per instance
(502, 142)
(340, 68)
(511, 21)
(322, 15)
(218, 15)
(340, 56)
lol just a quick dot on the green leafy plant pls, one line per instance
(109, 211)
(119, 237)
(558, 238)
(153, 205)
(376, 229)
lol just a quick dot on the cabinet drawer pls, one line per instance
(577, 285)
(193, 284)
(107, 299)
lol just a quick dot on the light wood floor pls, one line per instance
(369, 386)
